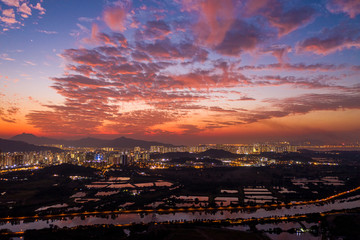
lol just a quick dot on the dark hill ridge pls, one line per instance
(18, 146)
(121, 142)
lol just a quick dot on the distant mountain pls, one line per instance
(121, 142)
(18, 146)
(32, 139)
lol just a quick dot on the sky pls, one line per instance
(181, 71)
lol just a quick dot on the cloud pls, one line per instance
(30, 63)
(111, 74)
(241, 37)
(140, 56)
(47, 32)
(288, 21)
(350, 7)
(9, 13)
(8, 21)
(14, 17)
(315, 82)
(24, 8)
(279, 52)
(156, 30)
(214, 19)
(81, 30)
(298, 67)
(12, 3)
(115, 18)
(231, 28)
(280, 16)
(6, 57)
(331, 40)
(116, 39)
(141, 121)
(99, 80)
(81, 81)
(40, 8)
(9, 16)
(245, 98)
(189, 128)
(86, 19)
(156, 74)
(85, 56)
(167, 50)
(222, 110)
(9, 114)
(252, 8)
(304, 104)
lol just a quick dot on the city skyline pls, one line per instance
(181, 72)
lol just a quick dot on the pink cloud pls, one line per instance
(94, 31)
(331, 40)
(24, 8)
(351, 7)
(140, 56)
(9, 13)
(9, 16)
(316, 82)
(40, 8)
(99, 80)
(116, 39)
(168, 50)
(85, 56)
(297, 67)
(288, 21)
(253, 7)
(12, 3)
(279, 52)
(328, 45)
(278, 16)
(8, 20)
(156, 30)
(215, 19)
(115, 18)
(5, 56)
(21, 8)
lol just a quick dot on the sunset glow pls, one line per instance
(182, 71)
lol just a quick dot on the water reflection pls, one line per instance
(349, 203)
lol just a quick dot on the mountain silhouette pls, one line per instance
(121, 142)
(19, 146)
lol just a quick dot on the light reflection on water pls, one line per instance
(295, 236)
(286, 226)
(188, 216)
